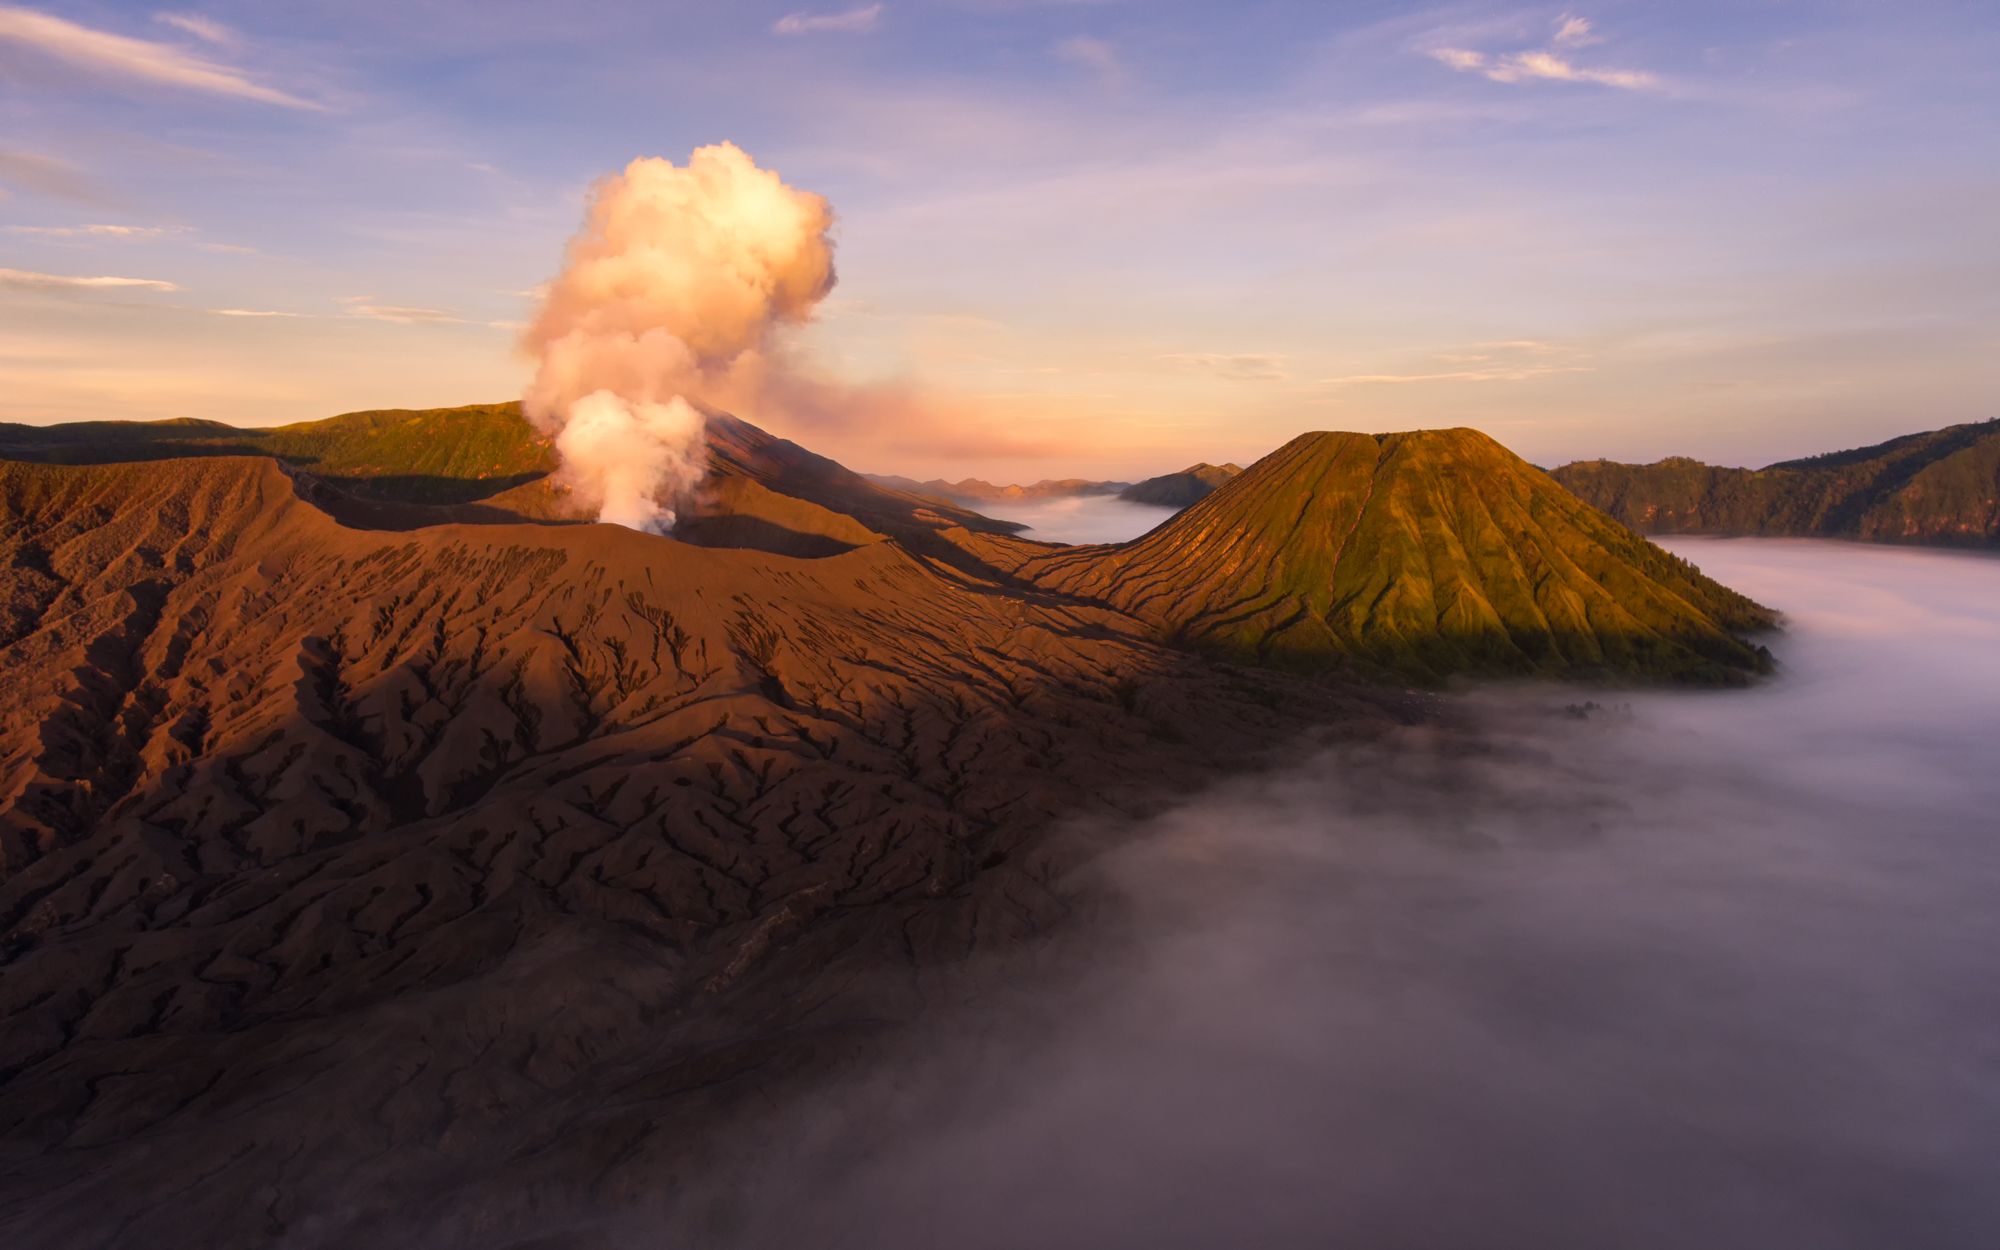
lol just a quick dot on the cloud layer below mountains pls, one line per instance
(1686, 970)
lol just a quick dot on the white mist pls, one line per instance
(1690, 970)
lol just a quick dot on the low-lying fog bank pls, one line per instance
(1079, 519)
(1694, 970)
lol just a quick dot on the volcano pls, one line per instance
(390, 863)
(1427, 554)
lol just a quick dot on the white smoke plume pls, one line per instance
(676, 281)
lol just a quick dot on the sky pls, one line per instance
(1079, 239)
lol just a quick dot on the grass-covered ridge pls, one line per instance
(1427, 554)
(432, 456)
(1941, 488)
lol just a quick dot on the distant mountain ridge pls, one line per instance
(973, 490)
(1179, 490)
(1169, 490)
(1940, 487)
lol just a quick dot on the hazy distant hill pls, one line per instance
(1178, 490)
(972, 490)
(1941, 487)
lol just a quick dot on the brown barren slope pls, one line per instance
(369, 888)
(762, 492)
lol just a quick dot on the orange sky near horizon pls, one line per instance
(1101, 242)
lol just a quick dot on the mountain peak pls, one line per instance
(1427, 553)
(1178, 490)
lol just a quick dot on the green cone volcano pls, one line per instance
(1427, 553)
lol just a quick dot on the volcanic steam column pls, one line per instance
(669, 292)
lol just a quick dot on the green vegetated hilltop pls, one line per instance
(1426, 553)
(432, 456)
(1939, 488)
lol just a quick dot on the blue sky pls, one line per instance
(1100, 239)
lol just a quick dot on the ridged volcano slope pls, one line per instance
(1427, 553)
(366, 889)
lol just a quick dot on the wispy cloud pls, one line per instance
(1460, 375)
(1544, 64)
(119, 56)
(55, 284)
(1092, 54)
(251, 312)
(1488, 351)
(1524, 66)
(1575, 32)
(46, 176)
(1459, 58)
(200, 27)
(808, 23)
(1240, 367)
(363, 306)
(71, 232)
